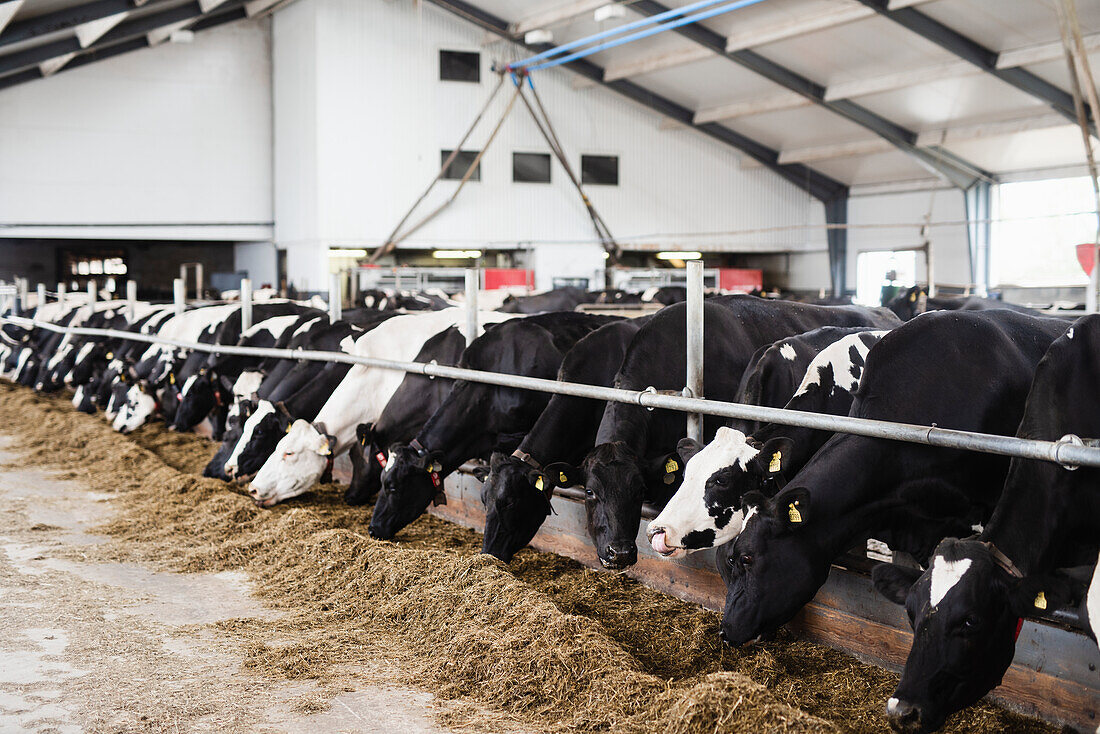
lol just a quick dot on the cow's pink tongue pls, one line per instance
(658, 543)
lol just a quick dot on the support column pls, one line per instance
(836, 212)
(979, 199)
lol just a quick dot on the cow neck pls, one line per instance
(564, 430)
(1029, 516)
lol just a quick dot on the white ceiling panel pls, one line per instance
(798, 128)
(1007, 24)
(941, 102)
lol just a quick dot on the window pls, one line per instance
(882, 274)
(531, 167)
(600, 169)
(459, 66)
(457, 170)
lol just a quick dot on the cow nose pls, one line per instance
(253, 492)
(229, 470)
(624, 553)
(903, 716)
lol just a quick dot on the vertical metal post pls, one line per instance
(183, 277)
(179, 295)
(694, 345)
(397, 280)
(473, 283)
(23, 294)
(199, 281)
(246, 304)
(353, 287)
(836, 214)
(334, 298)
(41, 291)
(131, 299)
(61, 288)
(93, 293)
(930, 266)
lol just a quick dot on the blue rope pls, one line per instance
(644, 34)
(614, 32)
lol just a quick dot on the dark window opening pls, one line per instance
(459, 66)
(531, 167)
(462, 162)
(600, 169)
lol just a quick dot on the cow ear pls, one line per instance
(773, 456)
(561, 474)
(1042, 594)
(226, 383)
(481, 473)
(893, 581)
(670, 468)
(363, 433)
(279, 406)
(687, 448)
(326, 445)
(792, 507)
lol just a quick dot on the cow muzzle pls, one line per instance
(905, 717)
(658, 540)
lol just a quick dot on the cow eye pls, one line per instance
(720, 479)
(288, 454)
(746, 560)
(969, 623)
(589, 494)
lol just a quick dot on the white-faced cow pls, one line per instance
(630, 463)
(307, 449)
(966, 609)
(706, 509)
(969, 371)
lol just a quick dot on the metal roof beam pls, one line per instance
(813, 182)
(948, 166)
(556, 16)
(61, 20)
(985, 59)
(7, 11)
(21, 61)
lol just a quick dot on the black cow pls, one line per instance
(475, 417)
(630, 463)
(916, 301)
(414, 401)
(966, 609)
(745, 456)
(963, 370)
(517, 492)
(559, 299)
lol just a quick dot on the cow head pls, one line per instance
(91, 354)
(413, 477)
(368, 459)
(773, 567)
(517, 501)
(966, 611)
(201, 393)
(247, 384)
(300, 459)
(910, 303)
(261, 430)
(614, 487)
(706, 511)
(141, 404)
(235, 419)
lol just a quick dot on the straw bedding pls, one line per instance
(544, 642)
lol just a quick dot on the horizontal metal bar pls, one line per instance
(1059, 452)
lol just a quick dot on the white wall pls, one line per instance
(176, 134)
(360, 113)
(908, 210)
(258, 259)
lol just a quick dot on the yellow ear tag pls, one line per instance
(774, 465)
(325, 450)
(912, 297)
(671, 466)
(110, 355)
(288, 428)
(172, 378)
(793, 513)
(538, 483)
(1041, 601)
(564, 479)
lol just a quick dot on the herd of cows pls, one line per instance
(994, 539)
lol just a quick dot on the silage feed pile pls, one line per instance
(545, 642)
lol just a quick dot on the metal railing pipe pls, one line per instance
(93, 293)
(131, 299)
(62, 296)
(694, 356)
(246, 304)
(1061, 452)
(179, 294)
(40, 291)
(473, 283)
(334, 298)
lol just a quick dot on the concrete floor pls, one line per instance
(93, 646)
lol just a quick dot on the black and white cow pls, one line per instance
(559, 299)
(916, 301)
(966, 609)
(477, 418)
(706, 509)
(208, 379)
(631, 461)
(412, 404)
(517, 492)
(307, 450)
(962, 370)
